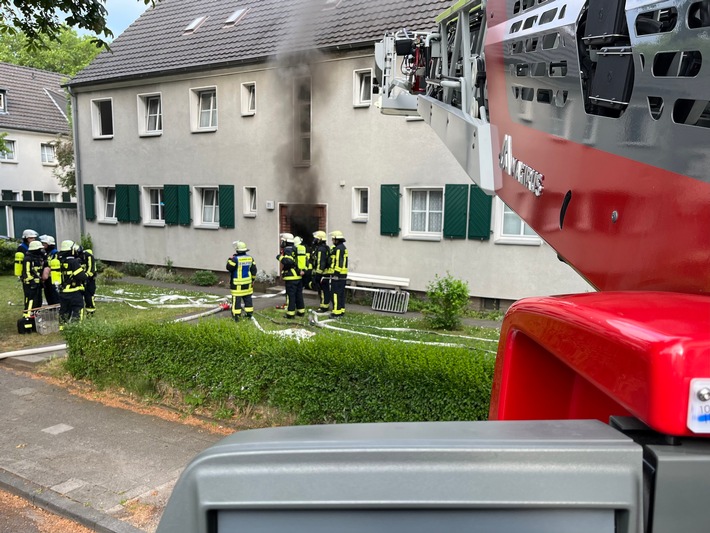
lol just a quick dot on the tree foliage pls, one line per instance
(67, 54)
(41, 20)
(64, 171)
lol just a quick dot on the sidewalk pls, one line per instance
(82, 459)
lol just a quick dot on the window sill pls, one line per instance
(421, 237)
(112, 221)
(155, 224)
(362, 105)
(207, 226)
(11, 161)
(249, 215)
(49, 164)
(360, 220)
(151, 134)
(103, 137)
(518, 241)
(412, 118)
(204, 130)
(249, 114)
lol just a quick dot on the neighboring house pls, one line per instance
(33, 114)
(217, 120)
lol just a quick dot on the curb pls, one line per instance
(56, 503)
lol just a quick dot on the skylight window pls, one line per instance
(331, 4)
(192, 27)
(235, 17)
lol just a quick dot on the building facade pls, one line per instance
(218, 121)
(33, 114)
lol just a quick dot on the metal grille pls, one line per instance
(47, 319)
(390, 301)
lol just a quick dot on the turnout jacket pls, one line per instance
(72, 273)
(289, 261)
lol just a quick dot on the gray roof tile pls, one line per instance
(35, 99)
(156, 42)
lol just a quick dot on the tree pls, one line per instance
(67, 54)
(64, 171)
(40, 19)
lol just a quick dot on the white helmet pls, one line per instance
(297, 241)
(29, 234)
(287, 238)
(47, 239)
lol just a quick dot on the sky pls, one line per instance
(121, 13)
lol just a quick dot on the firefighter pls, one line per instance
(28, 236)
(292, 276)
(304, 260)
(322, 270)
(51, 269)
(31, 277)
(339, 264)
(89, 263)
(71, 288)
(242, 269)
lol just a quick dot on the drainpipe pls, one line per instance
(77, 172)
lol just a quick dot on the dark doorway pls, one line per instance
(302, 220)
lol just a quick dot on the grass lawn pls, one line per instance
(118, 302)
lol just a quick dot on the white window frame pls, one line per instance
(358, 215)
(236, 17)
(250, 200)
(145, 114)
(195, 24)
(199, 205)
(51, 197)
(11, 155)
(104, 194)
(300, 135)
(3, 101)
(43, 149)
(418, 235)
(97, 119)
(360, 99)
(149, 204)
(248, 99)
(196, 96)
(525, 237)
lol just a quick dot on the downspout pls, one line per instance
(77, 172)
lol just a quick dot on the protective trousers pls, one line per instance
(242, 293)
(322, 284)
(33, 297)
(337, 285)
(89, 292)
(294, 298)
(71, 306)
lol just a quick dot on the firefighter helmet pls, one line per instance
(287, 238)
(320, 235)
(240, 246)
(337, 235)
(47, 239)
(297, 241)
(35, 245)
(66, 246)
(29, 234)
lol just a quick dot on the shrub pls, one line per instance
(132, 268)
(7, 255)
(263, 277)
(100, 266)
(447, 299)
(204, 278)
(164, 275)
(110, 275)
(86, 242)
(316, 380)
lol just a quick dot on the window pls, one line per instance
(302, 137)
(196, 23)
(3, 102)
(209, 207)
(361, 204)
(154, 204)
(108, 197)
(203, 109)
(248, 99)
(249, 201)
(102, 118)
(150, 114)
(50, 197)
(362, 88)
(49, 156)
(426, 212)
(511, 229)
(10, 153)
(235, 17)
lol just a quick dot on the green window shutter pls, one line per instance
(8, 196)
(38, 196)
(479, 221)
(170, 197)
(455, 204)
(66, 197)
(183, 194)
(226, 206)
(26, 196)
(89, 202)
(122, 212)
(134, 203)
(389, 209)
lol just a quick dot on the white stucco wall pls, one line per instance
(27, 172)
(351, 147)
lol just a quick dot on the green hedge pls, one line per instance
(329, 378)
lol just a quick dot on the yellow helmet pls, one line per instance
(35, 245)
(66, 246)
(240, 246)
(337, 235)
(320, 235)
